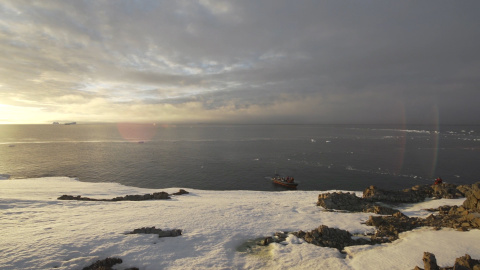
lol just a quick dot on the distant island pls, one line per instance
(69, 123)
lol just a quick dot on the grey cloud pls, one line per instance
(355, 60)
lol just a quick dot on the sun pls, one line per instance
(10, 114)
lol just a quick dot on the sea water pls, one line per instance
(243, 157)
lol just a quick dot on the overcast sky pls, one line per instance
(268, 61)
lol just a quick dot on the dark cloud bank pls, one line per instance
(244, 61)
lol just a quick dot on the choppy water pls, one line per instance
(233, 157)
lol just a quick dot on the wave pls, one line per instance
(420, 131)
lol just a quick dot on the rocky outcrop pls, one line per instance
(159, 232)
(473, 197)
(460, 218)
(372, 195)
(323, 236)
(350, 202)
(341, 201)
(466, 262)
(180, 192)
(462, 263)
(388, 227)
(412, 195)
(106, 264)
(330, 237)
(155, 196)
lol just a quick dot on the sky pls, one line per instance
(259, 62)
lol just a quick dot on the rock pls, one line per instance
(341, 201)
(159, 232)
(415, 194)
(328, 237)
(350, 202)
(381, 210)
(267, 241)
(390, 226)
(155, 196)
(374, 194)
(105, 264)
(473, 200)
(77, 198)
(429, 261)
(463, 263)
(170, 233)
(161, 196)
(466, 262)
(181, 192)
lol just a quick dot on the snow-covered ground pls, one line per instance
(37, 231)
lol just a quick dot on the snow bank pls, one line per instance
(40, 232)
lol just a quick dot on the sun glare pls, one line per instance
(10, 114)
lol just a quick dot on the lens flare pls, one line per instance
(435, 137)
(402, 139)
(137, 132)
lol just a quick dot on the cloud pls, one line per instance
(249, 61)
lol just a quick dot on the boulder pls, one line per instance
(105, 264)
(155, 196)
(381, 210)
(429, 261)
(341, 201)
(350, 202)
(473, 200)
(159, 232)
(181, 192)
(463, 263)
(466, 262)
(374, 194)
(414, 194)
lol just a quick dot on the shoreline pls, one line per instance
(74, 234)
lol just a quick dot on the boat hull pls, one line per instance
(285, 184)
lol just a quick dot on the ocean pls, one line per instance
(243, 157)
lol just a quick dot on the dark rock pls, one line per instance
(429, 261)
(389, 227)
(105, 264)
(328, 237)
(374, 194)
(77, 198)
(414, 194)
(267, 241)
(463, 263)
(341, 201)
(181, 192)
(466, 262)
(155, 196)
(381, 210)
(350, 202)
(450, 217)
(473, 200)
(159, 232)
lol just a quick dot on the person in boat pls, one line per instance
(290, 179)
(438, 181)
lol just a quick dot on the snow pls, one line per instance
(40, 232)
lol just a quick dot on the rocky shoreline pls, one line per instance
(155, 196)
(388, 224)
(391, 222)
(462, 263)
(159, 232)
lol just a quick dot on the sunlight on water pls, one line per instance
(135, 132)
(435, 138)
